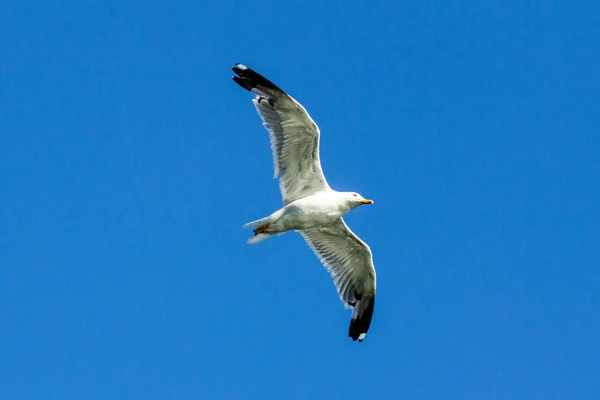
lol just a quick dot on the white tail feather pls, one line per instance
(259, 238)
(257, 223)
(262, 222)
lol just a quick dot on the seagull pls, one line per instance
(311, 207)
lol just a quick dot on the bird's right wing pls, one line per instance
(294, 136)
(350, 263)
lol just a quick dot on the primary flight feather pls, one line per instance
(311, 207)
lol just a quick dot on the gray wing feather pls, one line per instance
(350, 263)
(347, 258)
(294, 136)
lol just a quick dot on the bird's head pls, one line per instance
(356, 199)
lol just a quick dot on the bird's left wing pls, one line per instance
(350, 263)
(294, 136)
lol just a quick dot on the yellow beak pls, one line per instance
(366, 201)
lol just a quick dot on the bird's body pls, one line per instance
(312, 211)
(315, 210)
(311, 207)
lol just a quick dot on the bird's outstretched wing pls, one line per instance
(350, 263)
(294, 136)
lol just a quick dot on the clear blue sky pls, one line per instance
(129, 161)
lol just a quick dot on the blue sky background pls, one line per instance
(129, 161)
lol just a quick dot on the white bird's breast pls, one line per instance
(311, 211)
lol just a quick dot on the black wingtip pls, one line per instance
(239, 68)
(360, 326)
(249, 79)
(243, 83)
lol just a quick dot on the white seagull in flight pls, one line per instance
(311, 207)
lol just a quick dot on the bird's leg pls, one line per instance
(261, 229)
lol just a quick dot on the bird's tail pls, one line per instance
(259, 226)
(361, 318)
(259, 238)
(257, 223)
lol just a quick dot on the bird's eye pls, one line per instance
(355, 195)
